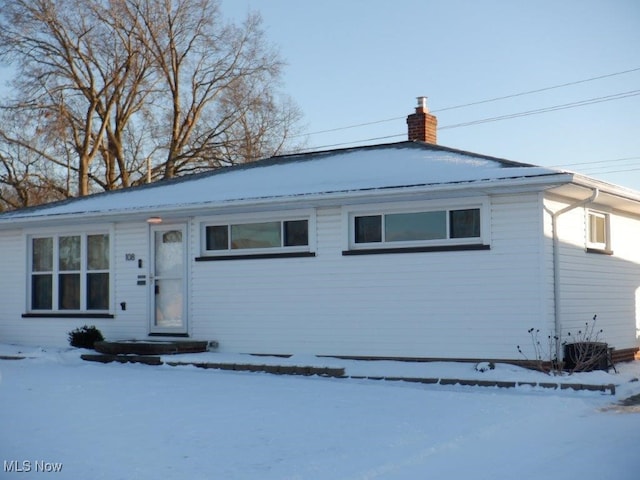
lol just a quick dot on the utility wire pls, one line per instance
(600, 169)
(613, 171)
(606, 171)
(539, 90)
(322, 147)
(348, 127)
(581, 103)
(495, 99)
(597, 161)
(589, 101)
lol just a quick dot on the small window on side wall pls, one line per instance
(598, 231)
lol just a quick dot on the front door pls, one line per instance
(167, 279)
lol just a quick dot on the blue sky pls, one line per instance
(359, 61)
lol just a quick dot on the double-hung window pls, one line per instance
(399, 228)
(69, 273)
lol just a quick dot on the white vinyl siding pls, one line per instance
(433, 304)
(128, 323)
(604, 285)
(13, 285)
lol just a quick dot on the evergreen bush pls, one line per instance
(85, 337)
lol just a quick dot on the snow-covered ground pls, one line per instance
(113, 421)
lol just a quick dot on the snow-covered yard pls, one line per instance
(113, 421)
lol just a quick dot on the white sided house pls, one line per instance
(403, 250)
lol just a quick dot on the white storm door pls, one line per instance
(168, 279)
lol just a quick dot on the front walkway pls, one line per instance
(434, 373)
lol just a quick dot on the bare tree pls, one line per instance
(117, 85)
(201, 61)
(33, 166)
(58, 86)
(261, 123)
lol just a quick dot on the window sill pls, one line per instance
(599, 251)
(438, 248)
(67, 315)
(253, 256)
(166, 334)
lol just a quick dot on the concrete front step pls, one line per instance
(146, 347)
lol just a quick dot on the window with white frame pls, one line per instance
(69, 273)
(397, 227)
(597, 230)
(247, 236)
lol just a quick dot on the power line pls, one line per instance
(495, 99)
(538, 90)
(323, 147)
(606, 171)
(553, 108)
(597, 161)
(613, 171)
(348, 127)
(602, 166)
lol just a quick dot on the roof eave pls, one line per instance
(611, 196)
(392, 193)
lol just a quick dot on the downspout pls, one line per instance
(556, 260)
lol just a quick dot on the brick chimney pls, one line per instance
(422, 125)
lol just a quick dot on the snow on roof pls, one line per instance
(388, 166)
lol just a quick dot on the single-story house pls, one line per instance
(400, 250)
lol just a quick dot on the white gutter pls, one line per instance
(556, 261)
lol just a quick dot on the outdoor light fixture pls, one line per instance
(154, 220)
